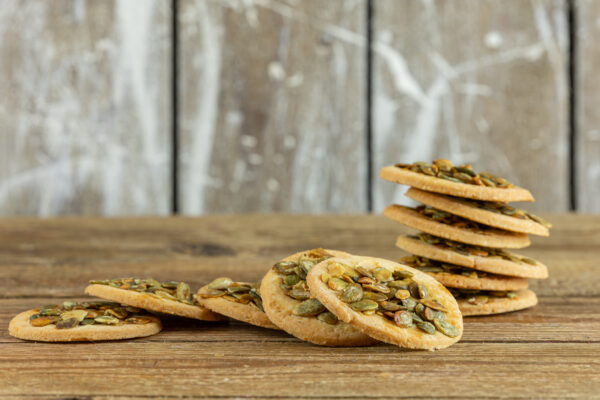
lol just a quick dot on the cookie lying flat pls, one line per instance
(497, 261)
(172, 298)
(460, 181)
(237, 300)
(456, 276)
(446, 225)
(498, 215)
(86, 321)
(488, 303)
(289, 304)
(388, 301)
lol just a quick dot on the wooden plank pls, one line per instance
(553, 320)
(226, 369)
(272, 106)
(480, 82)
(587, 91)
(84, 113)
(63, 254)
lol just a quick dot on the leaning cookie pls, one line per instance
(238, 300)
(86, 321)
(172, 298)
(388, 301)
(460, 181)
(290, 305)
(446, 225)
(497, 261)
(495, 214)
(456, 276)
(473, 303)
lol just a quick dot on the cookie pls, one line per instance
(86, 321)
(498, 215)
(172, 298)
(496, 261)
(391, 302)
(456, 276)
(446, 225)
(237, 300)
(488, 303)
(462, 181)
(290, 305)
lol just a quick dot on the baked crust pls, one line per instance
(279, 308)
(148, 302)
(463, 209)
(489, 238)
(498, 305)
(377, 326)
(487, 264)
(438, 185)
(19, 327)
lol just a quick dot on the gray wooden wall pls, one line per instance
(119, 107)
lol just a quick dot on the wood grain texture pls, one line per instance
(587, 92)
(84, 111)
(481, 82)
(272, 106)
(65, 253)
(549, 351)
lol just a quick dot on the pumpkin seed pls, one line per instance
(403, 319)
(337, 284)
(328, 317)
(402, 294)
(427, 327)
(285, 267)
(446, 170)
(446, 327)
(383, 274)
(67, 323)
(390, 306)
(352, 293)
(182, 291)
(291, 280)
(106, 320)
(374, 296)
(364, 305)
(220, 283)
(309, 308)
(41, 320)
(434, 304)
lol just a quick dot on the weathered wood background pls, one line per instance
(270, 107)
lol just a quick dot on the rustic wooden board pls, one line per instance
(66, 253)
(587, 92)
(84, 113)
(549, 351)
(482, 82)
(272, 106)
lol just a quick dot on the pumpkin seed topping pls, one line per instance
(450, 219)
(471, 250)
(236, 292)
(478, 297)
(71, 314)
(293, 284)
(393, 295)
(432, 266)
(444, 169)
(176, 291)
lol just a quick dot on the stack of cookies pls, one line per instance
(466, 227)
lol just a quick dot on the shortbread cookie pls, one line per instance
(237, 300)
(456, 276)
(85, 321)
(496, 214)
(446, 225)
(487, 302)
(388, 301)
(496, 261)
(290, 305)
(460, 181)
(173, 298)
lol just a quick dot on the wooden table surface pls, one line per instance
(550, 351)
